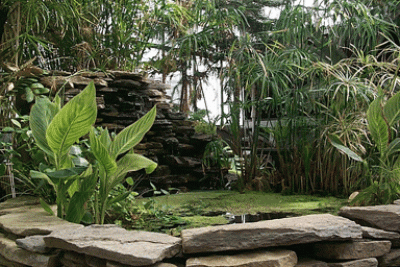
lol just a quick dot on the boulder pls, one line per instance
(386, 217)
(370, 262)
(137, 248)
(280, 232)
(278, 258)
(353, 250)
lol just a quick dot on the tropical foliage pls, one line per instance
(291, 75)
(74, 179)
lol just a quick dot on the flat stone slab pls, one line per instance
(278, 258)
(370, 262)
(373, 233)
(280, 232)
(351, 250)
(386, 217)
(136, 248)
(33, 220)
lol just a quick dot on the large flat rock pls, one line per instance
(280, 232)
(136, 248)
(33, 220)
(353, 250)
(279, 258)
(386, 217)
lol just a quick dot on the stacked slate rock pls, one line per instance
(124, 97)
(31, 237)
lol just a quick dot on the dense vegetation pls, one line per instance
(314, 71)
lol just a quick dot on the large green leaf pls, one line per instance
(73, 121)
(76, 208)
(66, 173)
(105, 138)
(129, 163)
(101, 153)
(392, 109)
(42, 113)
(336, 142)
(377, 125)
(43, 176)
(133, 134)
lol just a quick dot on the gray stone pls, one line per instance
(10, 251)
(40, 222)
(33, 243)
(278, 258)
(390, 259)
(354, 250)
(370, 262)
(280, 232)
(306, 262)
(386, 217)
(373, 233)
(113, 243)
(396, 202)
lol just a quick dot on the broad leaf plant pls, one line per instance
(57, 130)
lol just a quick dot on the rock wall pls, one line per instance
(122, 98)
(31, 237)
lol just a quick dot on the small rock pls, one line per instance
(278, 258)
(33, 243)
(371, 262)
(354, 250)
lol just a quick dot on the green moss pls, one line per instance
(250, 202)
(201, 221)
